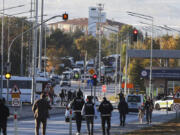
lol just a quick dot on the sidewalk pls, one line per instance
(26, 111)
(134, 126)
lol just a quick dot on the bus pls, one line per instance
(25, 86)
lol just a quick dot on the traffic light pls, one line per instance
(8, 75)
(94, 78)
(135, 33)
(65, 16)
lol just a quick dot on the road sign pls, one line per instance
(177, 94)
(104, 88)
(91, 71)
(15, 101)
(176, 107)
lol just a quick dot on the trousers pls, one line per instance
(78, 117)
(104, 120)
(37, 126)
(90, 123)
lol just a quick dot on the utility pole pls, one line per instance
(40, 37)
(22, 40)
(45, 51)
(2, 51)
(120, 67)
(100, 8)
(34, 53)
(125, 85)
(117, 56)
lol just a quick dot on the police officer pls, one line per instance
(149, 108)
(77, 105)
(4, 114)
(123, 110)
(89, 111)
(105, 109)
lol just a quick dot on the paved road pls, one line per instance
(57, 125)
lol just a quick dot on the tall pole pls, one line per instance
(34, 55)
(40, 37)
(125, 86)
(120, 67)
(22, 40)
(150, 77)
(2, 49)
(116, 66)
(99, 27)
(45, 51)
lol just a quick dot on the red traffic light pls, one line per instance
(135, 32)
(94, 76)
(65, 16)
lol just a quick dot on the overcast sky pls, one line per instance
(165, 12)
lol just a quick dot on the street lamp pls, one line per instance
(2, 44)
(34, 27)
(149, 18)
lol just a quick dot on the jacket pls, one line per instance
(105, 108)
(89, 109)
(77, 104)
(123, 107)
(149, 106)
(41, 109)
(4, 114)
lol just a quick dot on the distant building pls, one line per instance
(82, 24)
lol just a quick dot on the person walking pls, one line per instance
(62, 95)
(105, 109)
(41, 113)
(4, 114)
(149, 109)
(123, 110)
(89, 110)
(69, 95)
(77, 105)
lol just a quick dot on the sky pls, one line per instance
(164, 12)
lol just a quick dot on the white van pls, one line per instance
(134, 102)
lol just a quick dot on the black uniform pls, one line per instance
(89, 112)
(77, 105)
(4, 114)
(105, 109)
(123, 110)
(149, 108)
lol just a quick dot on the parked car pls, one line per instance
(134, 102)
(164, 103)
(65, 82)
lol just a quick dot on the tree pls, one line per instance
(87, 43)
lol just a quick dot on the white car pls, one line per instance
(65, 82)
(164, 103)
(134, 102)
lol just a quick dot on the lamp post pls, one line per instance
(149, 18)
(2, 44)
(32, 28)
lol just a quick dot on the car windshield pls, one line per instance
(134, 99)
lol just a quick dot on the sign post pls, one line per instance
(104, 89)
(177, 99)
(15, 93)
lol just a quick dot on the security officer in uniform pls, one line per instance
(105, 109)
(77, 105)
(89, 110)
(123, 110)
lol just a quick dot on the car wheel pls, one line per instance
(171, 108)
(157, 107)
